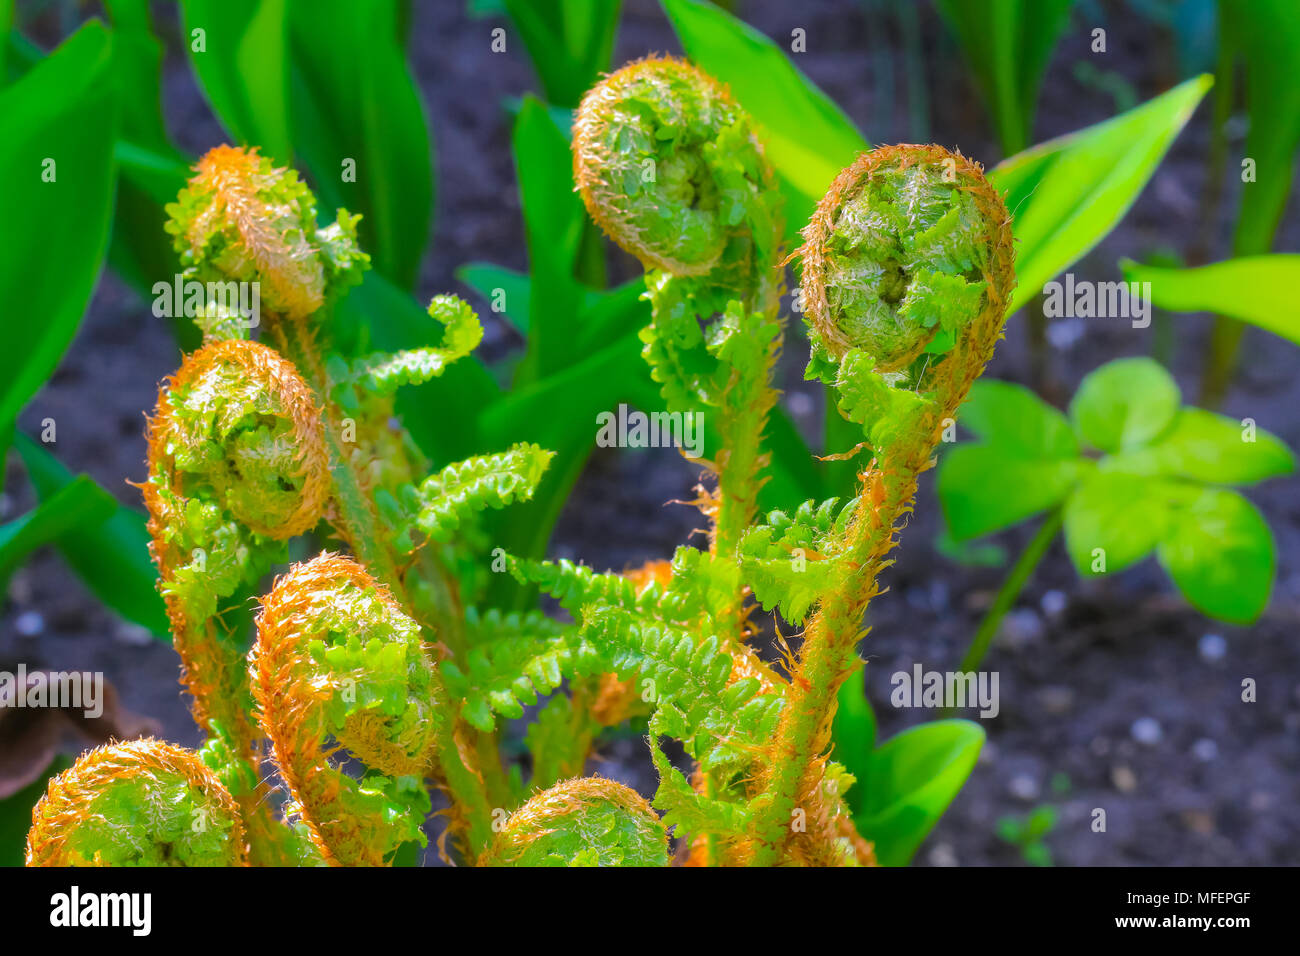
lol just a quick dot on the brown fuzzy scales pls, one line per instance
(69, 795)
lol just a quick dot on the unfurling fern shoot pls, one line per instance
(140, 803)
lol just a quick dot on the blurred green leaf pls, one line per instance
(63, 112)
(1125, 404)
(854, 731)
(111, 554)
(1210, 448)
(569, 41)
(1220, 553)
(81, 500)
(1266, 35)
(354, 98)
(241, 60)
(1008, 44)
(492, 281)
(806, 136)
(1013, 417)
(1066, 194)
(1260, 290)
(1124, 515)
(984, 488)
(913, 778)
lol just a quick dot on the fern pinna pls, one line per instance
(372, 677)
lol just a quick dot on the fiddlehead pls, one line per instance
(670, 167)
(587, 821)
(909, 240)
(241, 218)
(140, 803)
(338, 664)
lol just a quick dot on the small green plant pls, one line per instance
(1130, 472)
(1029, 834)
(388, 657)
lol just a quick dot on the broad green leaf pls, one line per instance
(111, 556)
(239, 52)
(1125, 404)
(985, 488)
(1008, 44)
(1266, 34)
(554, 220)
(1210, 448)
(81, 500)
(1013, 417)
(57, 126)
(1260, 290)
(854, 731)
(359, 125)
(1123, 515)
(569, 42)
(1066, 194)
(806, 136)
(1220, 553)
(913, 778)
(498, 284)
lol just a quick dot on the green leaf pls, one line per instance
(243, 69)
(985, 488)
(1266, 34)
(1210, 448)
(554, 220)
(111, 556)
(1066, 194)
(913, 778)
(805, 135)
(1125, 404)
(79, 501)
(354, 97)
(1220, 553)
(1012, 417)
(1008, 44)
(1124, 515)
(854, 730)
(569, 41)
(55, 233)
(1255, 289)
(513, 287)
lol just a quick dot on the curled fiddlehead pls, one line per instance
(236, 465)
(587, 821)
(140, 803)
(338, 664)
(908, 242)
(241, 218)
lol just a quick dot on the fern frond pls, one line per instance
(383, 373)
(790, 561)
(876, 401)
(489, 481)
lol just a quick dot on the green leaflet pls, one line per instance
(449, 497)
(514, 658)
(876, 401)
(790, 561)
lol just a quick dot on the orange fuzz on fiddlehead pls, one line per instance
(339, 664)
(241, 218)
(237, 465)
(140, 803)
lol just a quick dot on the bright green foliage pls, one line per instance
(1155, 488)
(791, 559)
(493, 481)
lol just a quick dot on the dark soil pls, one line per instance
(1114, 695)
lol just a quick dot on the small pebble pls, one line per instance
(1212, 647)
(134, 634)
(1260, 801)
(942, 854)
(1024, 787)
(1021, 627)
(988, 753)
(29, 624)
(1056, 700)
(1146, 730)
(799, 404)
(1065, 333)
(1124, 779)
(1054, 603)
(1099, 746)
(1205, 750)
